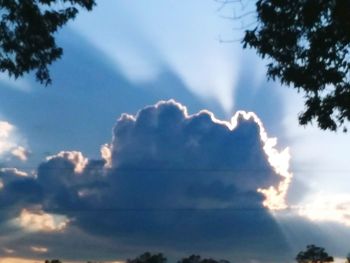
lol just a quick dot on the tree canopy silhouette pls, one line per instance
(198, 259)
(313, 254)
(147, 257)
(53, 261)
(308, 43)
(27, 29)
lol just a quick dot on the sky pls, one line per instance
(160, 133)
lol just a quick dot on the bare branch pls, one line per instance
(234, 17)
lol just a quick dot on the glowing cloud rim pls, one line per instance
(75, 157)
(275, 197)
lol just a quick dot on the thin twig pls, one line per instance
(234, 17)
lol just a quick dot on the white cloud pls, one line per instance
(39, 249)
(106, 154)
(10, 141)
(13, 171)
(20, 152)
(75, 157)
(39, 221)
(320, 162)
(6, 131)
(327, 208)
(8, 250)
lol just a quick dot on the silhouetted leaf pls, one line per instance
(308, 43)
(27, 29)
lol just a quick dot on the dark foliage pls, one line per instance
(53, 261)
(313, 254)
(308, 44)
(27, 29)
(148, 258)
(198, 259)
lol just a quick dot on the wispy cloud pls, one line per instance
(39, 249)
(21, 153)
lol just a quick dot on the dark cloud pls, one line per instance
(18, 190)
(174, 183)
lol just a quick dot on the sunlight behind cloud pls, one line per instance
(193, 162)
(20, 152)
(325, 208)
(321, 163)
(40, 221)
(183, 43)
(275, 197)
(75, 157)
(106, 154)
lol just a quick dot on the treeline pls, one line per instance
(312, 254)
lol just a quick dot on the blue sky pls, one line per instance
(65, 149)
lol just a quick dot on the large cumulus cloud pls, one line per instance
(167, 181)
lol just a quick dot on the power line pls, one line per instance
(194, 169)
